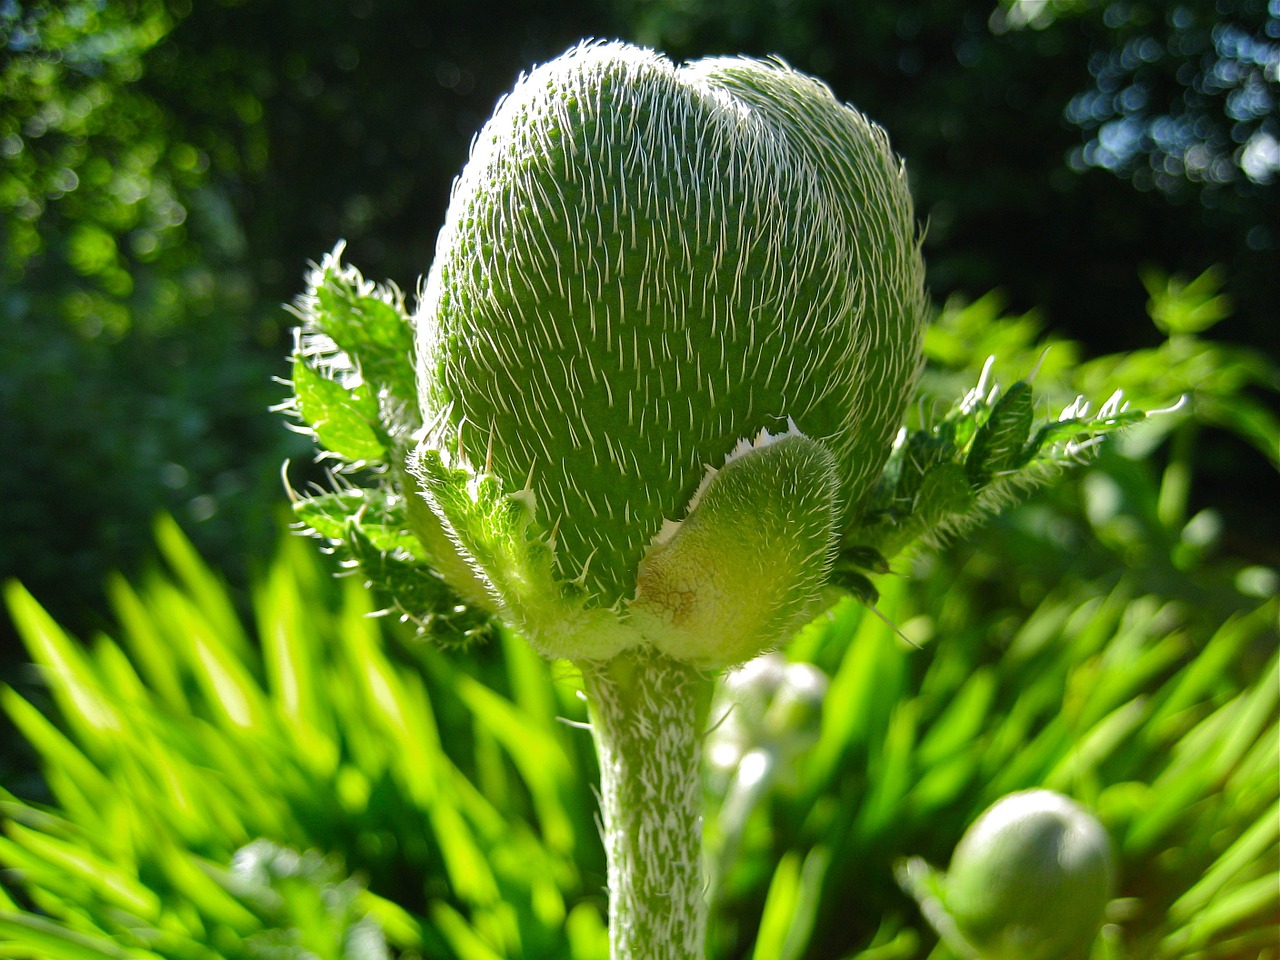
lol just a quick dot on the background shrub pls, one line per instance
(169, 168)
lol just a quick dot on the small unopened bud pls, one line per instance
(768, 704)
(1029, 880)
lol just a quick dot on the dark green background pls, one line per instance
(168, 169)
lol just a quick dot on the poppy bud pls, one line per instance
(671, 328)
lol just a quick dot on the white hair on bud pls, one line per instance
(644, 263)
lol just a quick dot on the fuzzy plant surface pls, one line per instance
(671, 329)
(649, 406)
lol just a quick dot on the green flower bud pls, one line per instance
(670, 331)
(1029, 880)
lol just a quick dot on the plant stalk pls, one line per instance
(648, 714)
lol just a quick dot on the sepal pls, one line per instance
(366, 528)
(498, 535)
(746, 567)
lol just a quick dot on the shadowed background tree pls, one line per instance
(168, 169)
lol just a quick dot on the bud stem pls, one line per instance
(648, 714)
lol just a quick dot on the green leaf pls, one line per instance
(1244, 856)
(367, 322)
(1000, 443)
(205, 589)
(155, 657)
(329, 514)
(69, 672)
(344, 417)
(870, 674)
(110, 882)
(29, 937)
(892, 757)
(465, 943)
(539, 757)
(1092, 750)
(944, 492)
(1207, 926)
(1178, 306)
(377, 514)
(368, 528)
(73, 777)
(918, 456)
(958, 727)
(587, 935)
(791, 906)
(1246, 418)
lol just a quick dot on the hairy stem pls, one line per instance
(647, 714)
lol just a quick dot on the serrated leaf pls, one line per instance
(367, 528)
(1072, 433)
(368, 322)
(329, 513)
(407, 584)
(943, 491)
(924, 450)
(378, 511)
(999, 444)
(344, 419)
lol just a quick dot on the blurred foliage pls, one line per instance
(192, 737)
(1053, 144)
(212, 786)
(1124, 600)
(134, 376)
(1145, 514)
(165, 170)
(95, 177)
(167, 167)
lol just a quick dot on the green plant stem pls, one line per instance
(648, 714)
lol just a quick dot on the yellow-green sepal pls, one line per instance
(509, 553)
(747, 565)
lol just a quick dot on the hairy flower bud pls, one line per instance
(670, 331)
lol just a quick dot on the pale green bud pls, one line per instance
(1029, 880)
(669, 334)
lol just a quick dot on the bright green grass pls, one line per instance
(1095, 698)
(448, 786)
